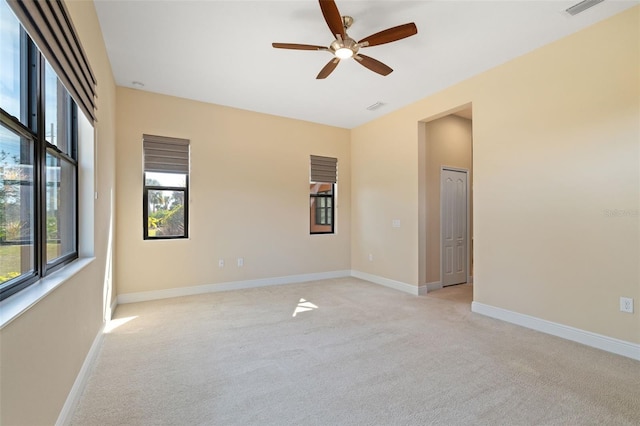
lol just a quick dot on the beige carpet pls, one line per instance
(355, 353)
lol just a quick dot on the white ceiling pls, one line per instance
(220, 51)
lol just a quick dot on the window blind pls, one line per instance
(165, 155)
(48, 24)
(324, 169)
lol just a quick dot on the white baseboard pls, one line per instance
(69, 407)
(397, 285)
(609, 344)
(233, 285)
(436, 285)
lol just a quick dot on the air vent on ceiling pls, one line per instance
(582, 6)
(375, 106)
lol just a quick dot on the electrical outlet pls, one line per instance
(626, 304)
(240, 262)
(220, 263)
(370, 257)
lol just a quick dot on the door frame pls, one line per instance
(468, 214)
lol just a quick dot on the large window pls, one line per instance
(322, 188)
(38, 162)
(166, 187)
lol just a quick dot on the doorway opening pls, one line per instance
(446, 200)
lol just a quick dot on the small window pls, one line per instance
(321, 208)
(322, 190)
(166, 187)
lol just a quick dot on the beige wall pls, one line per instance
(555, 149)
(384, 177)
(43, 350)
(249, 195)
(448, 142)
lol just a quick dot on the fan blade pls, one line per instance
(297, 46)
(328, 69)
(390, 34)
(332, 17)
(373, 64)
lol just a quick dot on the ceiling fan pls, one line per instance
(344, 47)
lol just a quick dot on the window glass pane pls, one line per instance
(51, 104)
(63, 138)
(60, 207)
(175, 180)
(9, 61)
(57, 114)
(321, 188)
(166, 213)
(16, 205)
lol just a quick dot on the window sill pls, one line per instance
(14, 306)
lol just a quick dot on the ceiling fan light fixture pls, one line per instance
(344, 53)
(344, 48)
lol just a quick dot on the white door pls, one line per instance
(453, 223)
